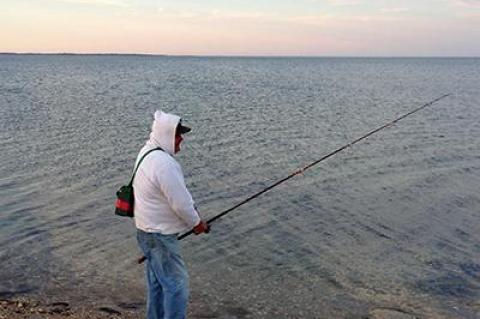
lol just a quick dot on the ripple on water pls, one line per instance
(394, 218)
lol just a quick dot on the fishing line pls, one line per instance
(306, 167)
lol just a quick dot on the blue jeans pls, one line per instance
(166, 276)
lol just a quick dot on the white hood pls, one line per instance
(163, 131)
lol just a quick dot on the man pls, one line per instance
(163, 209)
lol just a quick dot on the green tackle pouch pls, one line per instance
(125, 196)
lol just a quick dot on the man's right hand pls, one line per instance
(202, 227)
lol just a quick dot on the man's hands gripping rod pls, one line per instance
(202, 227)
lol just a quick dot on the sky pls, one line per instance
(243, 27)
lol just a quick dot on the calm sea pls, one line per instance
(391, 223)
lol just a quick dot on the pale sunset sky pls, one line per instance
(243, 27)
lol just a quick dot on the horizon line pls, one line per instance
(238, 55)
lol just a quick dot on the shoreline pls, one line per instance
(28, 308)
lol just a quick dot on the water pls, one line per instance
(392, 222)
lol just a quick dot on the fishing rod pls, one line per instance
(304, 168)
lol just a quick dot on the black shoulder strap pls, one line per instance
(140, 161)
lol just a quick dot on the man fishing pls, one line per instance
(163, 209)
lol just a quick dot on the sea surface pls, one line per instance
(391, 224)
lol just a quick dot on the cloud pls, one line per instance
(336, 20)
(468, 3)
(394, 10)
(472, 15)
(218, 15)
(344, 2)
(110, 3)
(338, 2)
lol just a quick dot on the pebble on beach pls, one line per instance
(32, 309)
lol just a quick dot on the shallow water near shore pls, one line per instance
(391, 223)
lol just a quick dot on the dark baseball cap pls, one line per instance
(182, 129)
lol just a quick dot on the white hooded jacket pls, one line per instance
(162, 202)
